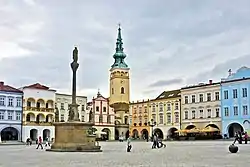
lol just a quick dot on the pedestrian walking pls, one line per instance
(39, 143)
(154, 141)
(129, 146)
(47, 143)
(245, 137)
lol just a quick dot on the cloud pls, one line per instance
(161, 83)
(189, 40)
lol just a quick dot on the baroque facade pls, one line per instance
(103, 116)
(139, 127)
(235, 90)
(201, 106)
(10, 113)
(62, 104)
(165, 113)
(120, 90)
(38, 112)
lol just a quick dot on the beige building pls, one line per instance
(103, 117)
(201, 106)
(64, 100)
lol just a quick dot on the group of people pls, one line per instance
(39, 142)
(157, 142)
(241, 136)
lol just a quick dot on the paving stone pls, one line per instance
(176, 154)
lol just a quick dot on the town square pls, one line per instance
(145, 83)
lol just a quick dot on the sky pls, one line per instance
(169, 44)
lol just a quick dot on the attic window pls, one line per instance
(170, 95)
(179, 94)
(162, 96)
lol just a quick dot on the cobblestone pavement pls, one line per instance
(176, 154)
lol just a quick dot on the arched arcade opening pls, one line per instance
(33, 134)
(144, 134)
(46, 134)
(135, 134)
(107, 134)
(171, 132)
(233, 128)
(9, 133)
(159, 132)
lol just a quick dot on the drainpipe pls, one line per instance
(180, 113)
(22, 120)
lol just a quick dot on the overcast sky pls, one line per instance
(169, 44)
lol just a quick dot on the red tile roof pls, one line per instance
(37, 86)
(7, 88)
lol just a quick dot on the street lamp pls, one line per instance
(152, 124)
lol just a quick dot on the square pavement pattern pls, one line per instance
(176, 154)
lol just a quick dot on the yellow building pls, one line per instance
(165, 113)
(38, 112)
(139, 127)
(119, 90)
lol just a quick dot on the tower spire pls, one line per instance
(119, 55)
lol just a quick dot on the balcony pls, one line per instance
(35, 123)
(39, 109)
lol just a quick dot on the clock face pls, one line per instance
(122, 81)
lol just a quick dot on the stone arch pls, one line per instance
(107, 135)
(33, 134)
(40, 117)
(135, 133)
(30, 102)
(49, 118)
(159, 132)
(30, 117)
(46, 134)
(50, 103)
(233, 128)
(190, 127)
(10, 133)
(40, 103)
(213, 126)
(246, 125)
(171, 132)
(144, 133)
(122, 90)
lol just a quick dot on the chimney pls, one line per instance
(210, 81)
(1, 83)
(230, 72)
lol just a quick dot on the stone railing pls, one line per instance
(39, 109)
(37, 123)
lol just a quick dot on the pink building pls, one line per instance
(103, 116)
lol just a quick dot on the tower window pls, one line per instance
(122, 90)
(112, 90)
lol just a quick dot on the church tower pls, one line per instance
(119, 89)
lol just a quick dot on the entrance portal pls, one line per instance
(46, 134)
(33, 134)
(233, 128)
(9, 133)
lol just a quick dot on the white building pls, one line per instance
(10, 113)
(64, 100)
(201, 106)
(38, 112)
(103, 116)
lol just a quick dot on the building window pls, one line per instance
(10, 115)
(208, 96)
(161, 118)
(83, 118)
(236, 112)
(97, 108)
(62, 106)
(186, 99)
(18, 116)
(122, 90)
(2, 113)
(244, 92)
(112, 90)
(18, 102)
(10, 103)
(126, 120)
(161, 107)
(83, 108)
(201, 97)
(168, 118)
(62, 117)
(217, 112)
(186, 115)
(245, 112)
(225, 94)
(2, 101)
(140, 110)
(176, 106)
(153, 109)
(193, 114)
(169, 107)
(193, 98)
(235, 95)
(201, 113)
(140, 118)
(226, 111)
(104, 109)
(209, 113)
(100, 118)
(108, 119)
(145, 110)
(217, 96)
(176, 115)
(154, 118)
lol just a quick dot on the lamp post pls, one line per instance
(152, 124)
